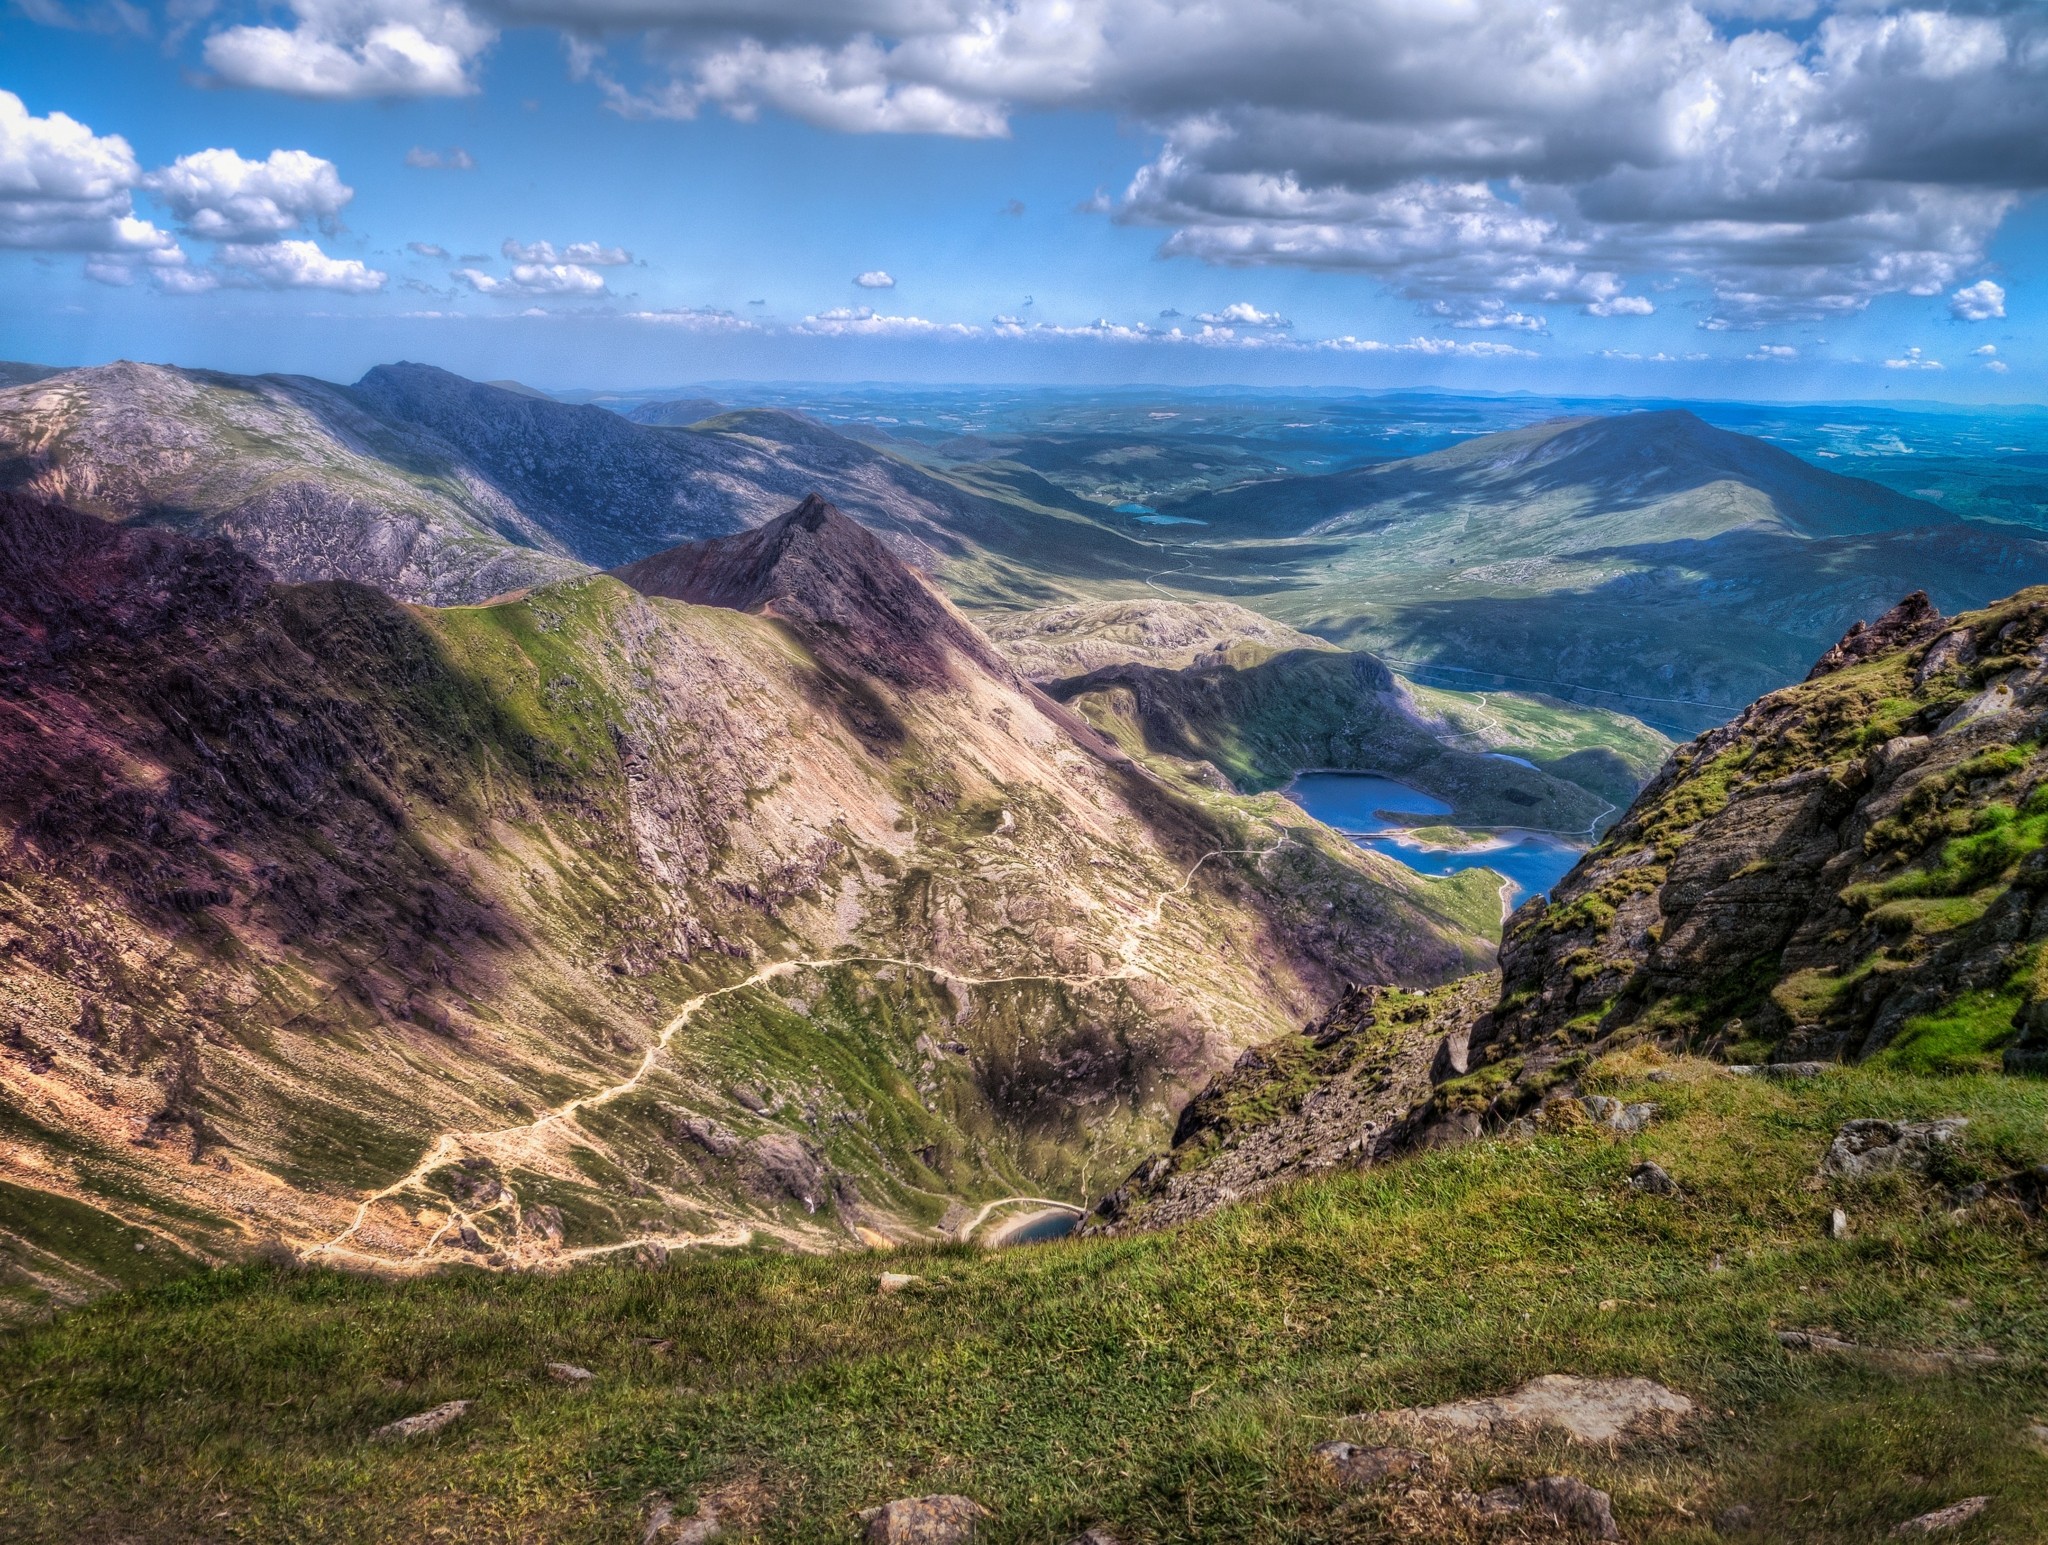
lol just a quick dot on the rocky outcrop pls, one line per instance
(1854, 866)
(1340, 1093)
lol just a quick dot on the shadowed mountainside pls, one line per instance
(593, 919)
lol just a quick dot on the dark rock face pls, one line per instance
(858, 606)
(1828, 875)
(1341, 1093)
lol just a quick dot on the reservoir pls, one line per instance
(1380, 814)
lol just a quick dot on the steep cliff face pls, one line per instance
(1852, 868)
(593, 919)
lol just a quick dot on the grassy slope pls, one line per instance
(1171, 1384)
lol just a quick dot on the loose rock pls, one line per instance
(1954, 1516)
(937, 1520)
(1095, 1535)
(897, 1281)
(423, 1423)
(1838, 1224)
(569, 1373)
(1734, 1520)
(1589, 1410)
(1873, 1147)
(1355, 1467)
(1902, 1360)
(1652, 1178)
(1563, 1499)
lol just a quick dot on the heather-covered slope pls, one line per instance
(591, 919)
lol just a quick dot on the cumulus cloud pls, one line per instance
(294, 265)
(582, 254)
(1792, 159)
(357, 48)
(698, 319)
(218, 195)
(1772, 353)
(865, 322)
(64, 188)
(427, 249)
(875, 279)
(1485, 315)
(1243, 314)
(1979, 302)
(454, 159)
(1988, 352)
(535, 279)
(1913, 359)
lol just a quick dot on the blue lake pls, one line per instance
(1375, 812)
(1054, 1225)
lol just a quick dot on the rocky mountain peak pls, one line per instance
(836, 584)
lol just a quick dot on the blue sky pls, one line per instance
(710, 182)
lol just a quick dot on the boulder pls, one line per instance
(1588, 1410)
(937, 1520)
(1874, 1147)
(569, 1373)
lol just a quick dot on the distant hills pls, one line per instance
(1647, 561)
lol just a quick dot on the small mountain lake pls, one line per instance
(1379, 813)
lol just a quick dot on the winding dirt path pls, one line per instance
(531, 1143)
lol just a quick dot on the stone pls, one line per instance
(1652, 1178)
(569, 1373)
(1899, 1359)
(422, 1423)
(936, 1520)
(1875, 1147)
(1587, 1410)
(1561, 1499)
(897, 1281)
(1354, 1467)
(1838, 1224)
(1734, 1520)
(1797, 1069)
(1954, 1516)
(1095, 1534)
(544, 1222)
(650, 1255)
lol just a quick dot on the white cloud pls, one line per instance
(1983, 301)
(1243, 314)
(64, 188)
(697, 319)
(1488, 314)
(217, 195)
(1621, 306)
(535, 279)
(864, 322)
(875, 279)
(1985, 350)
(1913, 359)
(1659, 358)
(1772, 353)
(427, 249)
(356, 48)
(294, 265)
(1997, 366)
(1988, 352)
(585, 254)
(455, 159)
(1525, 150)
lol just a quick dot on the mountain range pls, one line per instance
(593, 919)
